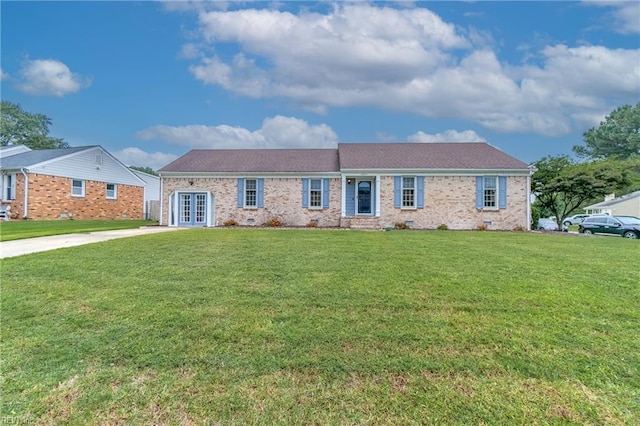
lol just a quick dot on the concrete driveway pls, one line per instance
(35, 245)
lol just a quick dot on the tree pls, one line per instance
(147, 170)
(562, 186)
(18, 127)
(616, 137)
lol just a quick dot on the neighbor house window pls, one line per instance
(77, 188)
(9, 187)
(490, 192)
(409, 192)
(112, 191)
(250, 192)
(315, 193)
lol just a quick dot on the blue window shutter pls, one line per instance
(240, 192)
(479, 192)
(305, 193)
(397, 186)
(420, 184)
(502, 197)
(260, 200)
(325, 193)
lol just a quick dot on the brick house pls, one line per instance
(359, 185)
(80, 183)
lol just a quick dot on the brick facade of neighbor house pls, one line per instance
(50, 198)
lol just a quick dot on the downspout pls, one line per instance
(531, 170)
(26, 193)
(161, 204)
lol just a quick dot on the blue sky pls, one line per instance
(151, 80)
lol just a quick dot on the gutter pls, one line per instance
(26, 192)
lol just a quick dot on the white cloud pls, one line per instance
(410, 60)
(624, 17)
(136, 157)
(3, 75)
(276, 132)
(50, 77)
(447, 136)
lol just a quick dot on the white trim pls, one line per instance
(377, 189)
(26, 193)
(343, 212)
(82, 187)
(115, 191)
(309, 206)
(244, 194)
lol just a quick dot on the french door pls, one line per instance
(192, 209)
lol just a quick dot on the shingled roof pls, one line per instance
(256, 161)
(454, 155)
(348, 156)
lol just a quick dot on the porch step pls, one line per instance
(360, 223)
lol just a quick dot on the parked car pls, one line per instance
(575, 219)
(547, 225)
(627, 226)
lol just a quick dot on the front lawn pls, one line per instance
(273, 326)
(19, 229)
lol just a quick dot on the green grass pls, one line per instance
(19, 229)
(243, 326)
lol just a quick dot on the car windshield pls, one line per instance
(628, 220)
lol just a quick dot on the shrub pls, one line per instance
(482, 227)
(273, 222)
(312, 224)
(519, 228)
(400, 225)
(443, 227)
(230, 222)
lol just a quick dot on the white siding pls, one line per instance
(152, 189)
(83, 165)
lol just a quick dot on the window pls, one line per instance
(111, 191)
(9, 187)
(315, 193)
(409, 192)
(489, 195)
(491, 192)
(250, 192)
(77, 188)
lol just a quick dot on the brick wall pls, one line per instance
(50, 198)
(449, 200)
(282, 199)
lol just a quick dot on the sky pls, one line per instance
(151, 80)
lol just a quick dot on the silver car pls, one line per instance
(575, 219)
(547, 225)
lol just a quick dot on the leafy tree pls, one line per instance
(562, 186)
(616, 137)
(147, 170)
(18, 127)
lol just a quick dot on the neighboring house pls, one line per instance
(626, 205)
(80, 183)
(360, 185)
(151, 194)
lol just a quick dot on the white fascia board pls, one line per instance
(192, 175)
(436, 172)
